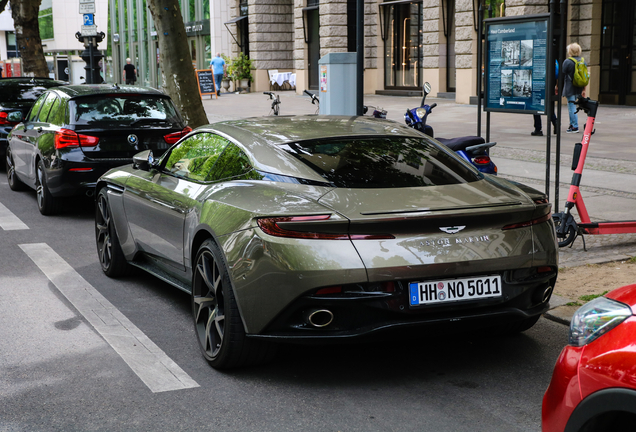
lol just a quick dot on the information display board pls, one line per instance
(205, 79)
(515, 64)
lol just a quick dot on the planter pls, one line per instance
(225, 83)
(244, 84)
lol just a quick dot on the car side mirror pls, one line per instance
(144, 160)
(14, 117)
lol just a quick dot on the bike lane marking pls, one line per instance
(9, 221)
(158, 371)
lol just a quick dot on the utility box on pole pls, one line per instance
(337, 77)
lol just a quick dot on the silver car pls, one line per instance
(327, 228)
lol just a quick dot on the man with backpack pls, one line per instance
(576, 78)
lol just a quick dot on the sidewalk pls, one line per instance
(608, 184)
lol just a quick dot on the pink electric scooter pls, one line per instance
(567, 229)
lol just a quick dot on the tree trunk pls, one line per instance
(178, 77)
(27, 37)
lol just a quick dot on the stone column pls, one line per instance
(433, 46)
(584, 28)
(465, 51)
(271, 34)
(526, 7)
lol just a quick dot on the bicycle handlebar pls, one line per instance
(271, 95)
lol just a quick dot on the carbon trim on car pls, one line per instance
(601, 402)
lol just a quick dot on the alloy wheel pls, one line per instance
(208, 304)
(102, 228)
(40, 187)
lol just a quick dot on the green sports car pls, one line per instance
(325, 228)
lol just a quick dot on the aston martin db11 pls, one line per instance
(317, 228)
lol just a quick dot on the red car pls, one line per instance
(593, 386)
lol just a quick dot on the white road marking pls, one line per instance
(145, 358)
(9, 221)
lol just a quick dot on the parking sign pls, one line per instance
(89, 20)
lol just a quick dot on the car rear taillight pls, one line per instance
(482, 160)
(536, 221)
(68, 138)
(271, 226)
(176, 136)
(4, 121)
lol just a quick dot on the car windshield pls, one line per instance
(129, 110)
(382, 162)
(22, 92)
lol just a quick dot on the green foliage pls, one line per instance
(573, 304)
(587, 298)
(45, 23)
(241, 68)
(632, 259)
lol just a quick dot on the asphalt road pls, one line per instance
(62, 369)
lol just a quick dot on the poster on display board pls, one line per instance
(515, 64)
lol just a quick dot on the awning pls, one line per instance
(233, 20)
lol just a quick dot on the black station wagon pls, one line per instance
(74, 134)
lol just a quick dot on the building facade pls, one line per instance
(59, 20)
(408, 42)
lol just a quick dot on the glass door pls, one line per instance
(618, 53)
(403, 46)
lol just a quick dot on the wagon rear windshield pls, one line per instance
(124, 110)
(382, 162)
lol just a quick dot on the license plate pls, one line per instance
(451, 290)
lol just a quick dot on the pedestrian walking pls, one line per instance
(573, 84)
(130, 72)
(218, 66)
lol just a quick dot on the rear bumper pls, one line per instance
(68, 177)
(366, 315)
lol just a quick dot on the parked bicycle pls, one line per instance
(275, 109)
(314, 100)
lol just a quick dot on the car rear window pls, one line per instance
(124, 110)
(382, 162)
(21, 92)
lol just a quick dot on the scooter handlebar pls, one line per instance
(432, 106)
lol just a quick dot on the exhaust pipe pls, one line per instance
(90, 192)
(546, 294)
(319, 317)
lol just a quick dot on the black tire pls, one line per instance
(111, 257)
(12, 178)
(217, 321)
(47, 204)
(566, 239)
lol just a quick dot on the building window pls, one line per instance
(12, 51)
(45, 19)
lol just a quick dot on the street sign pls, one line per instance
(86, 1)
(87, 8)
(89, 30)
(88, 20)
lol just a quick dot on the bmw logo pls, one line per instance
(132, 139)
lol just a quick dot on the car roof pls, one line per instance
(275, 130)
(45, 82)
(97, 89)
(263, 136)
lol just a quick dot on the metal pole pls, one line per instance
(549, 91)
(89, 77)
(479, 62)
(360, 57)
(488, 113)
(563, 15)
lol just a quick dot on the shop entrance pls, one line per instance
(402, 47)
(618, 53)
